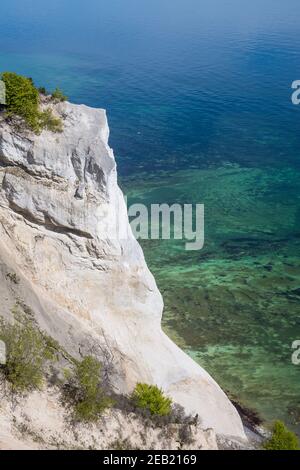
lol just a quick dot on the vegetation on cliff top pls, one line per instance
(282, 438)
(23, 100)
(85, 391)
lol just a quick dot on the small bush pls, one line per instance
(85, 390)
(58, 95)
(152, 399)
(50, 122)
(282, 438)
(42, 90)
(27, 353)
(13, 278)
(22, 99)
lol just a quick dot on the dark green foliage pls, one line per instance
(282, 438)
(23, 100)
(58, 95)
(185, 435)
(122, 444)
(27, 353)
(151, 398)
(84, 389)
(50, 122)
(13, 278)
(42, 90)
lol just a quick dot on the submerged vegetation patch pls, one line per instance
(234, 306)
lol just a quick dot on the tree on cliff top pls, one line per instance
(282, 438)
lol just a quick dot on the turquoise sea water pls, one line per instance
(198, 95)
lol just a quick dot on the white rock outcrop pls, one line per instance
(59, 204)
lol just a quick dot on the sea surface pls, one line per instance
(198, 94)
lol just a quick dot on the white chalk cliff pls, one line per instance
(59, 200)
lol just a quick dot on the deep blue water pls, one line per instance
(198, 94)
(185, 82)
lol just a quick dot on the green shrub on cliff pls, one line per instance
(152, 399)
(85, 391)
(58, 95)
(27, 353)
(23, 100)
(282, 438)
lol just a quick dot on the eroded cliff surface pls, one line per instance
(64, 230)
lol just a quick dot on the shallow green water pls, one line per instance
(234, 306)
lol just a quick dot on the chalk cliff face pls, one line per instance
(60, 207)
